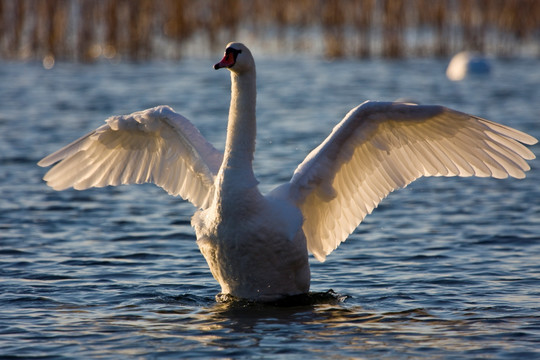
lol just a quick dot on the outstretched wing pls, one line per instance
(155, 145)
(381, 147)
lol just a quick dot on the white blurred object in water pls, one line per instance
(467, 63)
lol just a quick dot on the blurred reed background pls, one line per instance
(138, 30)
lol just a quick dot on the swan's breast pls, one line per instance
(252, 252)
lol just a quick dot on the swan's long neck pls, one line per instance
(237, 167)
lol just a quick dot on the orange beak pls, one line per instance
(227, 61)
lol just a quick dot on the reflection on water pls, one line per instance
(232, 329)
(446, 268)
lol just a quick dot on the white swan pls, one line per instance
(256, 245)
(467, 63)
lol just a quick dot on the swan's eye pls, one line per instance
(233, 51)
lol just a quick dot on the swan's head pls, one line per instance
(237, 58)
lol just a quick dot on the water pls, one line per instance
(447, 268)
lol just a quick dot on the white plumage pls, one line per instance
(155, 145)
(380, 147)
(256, 246)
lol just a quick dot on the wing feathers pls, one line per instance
(381, 147)
(155, 145)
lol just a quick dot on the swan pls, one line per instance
(467, 63)
(257, 245)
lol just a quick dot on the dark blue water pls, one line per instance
(446, 268)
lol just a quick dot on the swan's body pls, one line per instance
(257, 246)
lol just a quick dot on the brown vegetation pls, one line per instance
(85, 30)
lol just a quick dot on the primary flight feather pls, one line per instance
(257, 246)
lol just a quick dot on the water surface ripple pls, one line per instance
(446, 268)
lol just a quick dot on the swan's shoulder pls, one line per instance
(285, 212)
